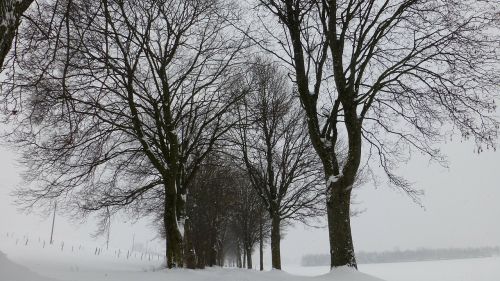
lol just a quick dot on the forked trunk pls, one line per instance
(339, 228)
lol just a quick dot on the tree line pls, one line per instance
(422, 254)
(225, 125)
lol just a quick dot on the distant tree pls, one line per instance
(391, 76)
(247, 214)
(421, 254)
(209, 210)
(118, 103)
(275, 150)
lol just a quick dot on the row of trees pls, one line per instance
(124, 104)
(226, 217)
(130, 102)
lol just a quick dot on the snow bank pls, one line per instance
(10, 271)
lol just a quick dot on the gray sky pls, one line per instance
(461, 203)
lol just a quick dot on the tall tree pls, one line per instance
(276, 151)
(391, 76)
(121, 101)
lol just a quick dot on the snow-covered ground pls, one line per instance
(10, 271)
(480, 269)
(25, 259)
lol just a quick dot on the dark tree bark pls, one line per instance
(275, 242)
(174, 245)
(248, 253)
(191, 260)
(340, 233)
(244, 257)
(10, 18)
(239, 262)
(261, 246)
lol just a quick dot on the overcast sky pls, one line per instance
(461, 209)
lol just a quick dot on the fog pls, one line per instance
(460, 209)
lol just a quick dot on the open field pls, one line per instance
(480, 269)
(67, 261)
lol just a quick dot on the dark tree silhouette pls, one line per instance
(120, 101)
(391, 76)
(209, 209)
(276, 152)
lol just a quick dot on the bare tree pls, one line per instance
(121, 102)
(274, 146)
(390, 75)
(247, 214)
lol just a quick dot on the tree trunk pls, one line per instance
(174, 247)
(261, 247)
(10, 16)
(212, 248)
(339, 228)
(249, 258)
(238, 257)
(244, 257)
(190, 258)
(275, 242)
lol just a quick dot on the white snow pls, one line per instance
(333, 179)
(479, 269)
(34, 262)
(21, 261)
(10, 271)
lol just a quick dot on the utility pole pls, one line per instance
(53, 221)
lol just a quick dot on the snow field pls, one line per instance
(24, 258)
(479, 269)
